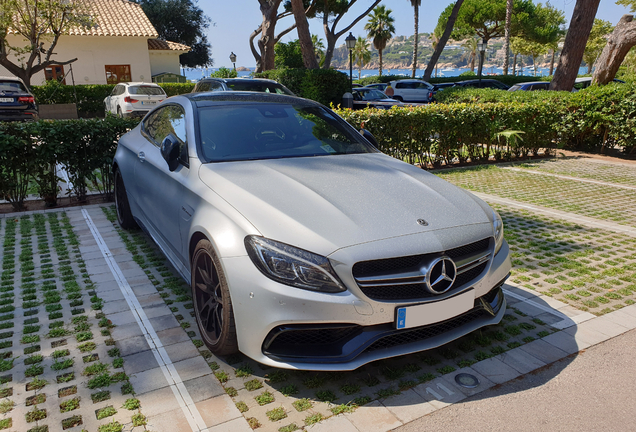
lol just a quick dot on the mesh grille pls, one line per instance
(402, 264)
(327, 336)
(422, 333)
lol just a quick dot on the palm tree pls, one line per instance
(470, 45)
(380, 28)
(319, 48)
(361, 54)
(506, 46)
(416, 6)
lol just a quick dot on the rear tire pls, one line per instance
(212, 302)
(124, 215)
(398, 98)
(119, 113)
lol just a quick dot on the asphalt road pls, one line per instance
(591, 391)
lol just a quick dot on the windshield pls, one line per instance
(369, 95)
(12, 86)
(262, 87)
(272, 130)
(146, 90)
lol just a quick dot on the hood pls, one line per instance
(326, 203)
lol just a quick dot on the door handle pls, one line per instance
(142, 156)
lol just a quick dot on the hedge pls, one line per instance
(589, 120)
(29, 153)
(506, 79)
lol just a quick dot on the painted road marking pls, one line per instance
(169, 371)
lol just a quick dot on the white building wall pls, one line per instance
(93, 53)
(164, 62)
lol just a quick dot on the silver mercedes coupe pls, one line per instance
(305, 246)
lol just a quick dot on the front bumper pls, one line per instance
(291, 328)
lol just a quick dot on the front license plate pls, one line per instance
(430, 313)
(6, 99)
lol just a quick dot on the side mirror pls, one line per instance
(170, 150)
(369, 137)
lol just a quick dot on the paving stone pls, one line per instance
(182, 351)
(126, 331)
(408, 406)
(95, 270)
(373, 417)
(148, 380)
(520, 361)
(132, 345)
(563, 341)
(163, 322)
(173, 421)
(157, 401)
(103, 277)
(549, 302)
(484, 383)
(192, 368)
(240, 425)
(150, 300)
(218, 410)
(110, 296)
(630, 310)
(122, 318)
(115, 306)
(144, 289)
(204, 387)
(140, 362)
(172, 336)
(441, 396)
(157, 311)
(606, 326)
(585, 335)
(621, 318)
(495, 370)
(518, 291)
(106, 286)
(133, 272)
(529, 309)
(544, 351)
(340, 423)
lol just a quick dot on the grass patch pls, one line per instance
(264, 398)
(276, 414)
(302, 404)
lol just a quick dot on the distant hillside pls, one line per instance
(399, 53)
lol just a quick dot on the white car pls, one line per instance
(412, 90)
(133, 99)
(305, 247)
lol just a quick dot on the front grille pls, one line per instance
(401, 279)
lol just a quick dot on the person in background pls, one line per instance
(389, 91)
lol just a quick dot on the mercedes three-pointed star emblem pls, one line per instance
(440, 275)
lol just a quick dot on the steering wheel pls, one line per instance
(270, 135)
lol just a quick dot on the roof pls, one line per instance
(116, 18)
(162, 45)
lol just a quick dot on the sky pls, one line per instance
(234, 21)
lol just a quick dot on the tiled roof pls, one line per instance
(162, 45)
(116, 18)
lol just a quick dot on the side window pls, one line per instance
(203, 87)
(168, 120)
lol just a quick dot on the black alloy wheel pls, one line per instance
(212, 303)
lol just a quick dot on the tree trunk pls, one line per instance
(575, 41)
(257, 56)
(269, 10)
(552, 62)
(306, 45)
(481, 63)
(416, 39)
(380, 68)
(514, 64)
(441, 43)
(619, 42)
(506, 46)
(472, 63)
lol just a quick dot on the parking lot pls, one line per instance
(97, 332)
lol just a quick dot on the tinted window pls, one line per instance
(270, 131)
(12, 86)
(263, 87)
(168, 120)
(404, 85)
(146, 90)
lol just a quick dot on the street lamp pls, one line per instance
(351, 43)
(233, 59)
(481, 47)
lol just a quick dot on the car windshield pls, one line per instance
(272, 131)
(262, 87)
(146, 90)
(12, 87)
(368, 95)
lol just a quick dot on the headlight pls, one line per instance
(292, 266)
(498, 230)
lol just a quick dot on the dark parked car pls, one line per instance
(16, 102)
(585, 82)
(531, 86)
(241, 84)
(485, 83)
(371, 98)
(377, 86)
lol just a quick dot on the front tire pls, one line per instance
(119, 113)
(124, 215)
(212, 302)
